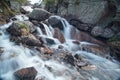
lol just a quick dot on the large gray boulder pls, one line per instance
(88, 11)
(39, 14)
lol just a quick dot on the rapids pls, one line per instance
(16, 57)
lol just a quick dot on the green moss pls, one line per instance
(24, 26)
(114, 38)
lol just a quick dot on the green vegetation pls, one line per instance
(5, 6)
(24, 26)
(114, 38)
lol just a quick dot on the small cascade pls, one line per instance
(48, 30)
(39, 31)
(67, 28)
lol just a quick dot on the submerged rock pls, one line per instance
(39, 14)
(26, 73)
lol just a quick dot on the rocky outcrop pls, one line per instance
(19, 28)
(26, 73)
(88, 11)
(39, 14)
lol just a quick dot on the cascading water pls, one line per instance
(16, 57)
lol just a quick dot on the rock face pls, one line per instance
(26, 74)
(39, 14)
(89, 11)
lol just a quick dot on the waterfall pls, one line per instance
(47, 30)
(16, 57)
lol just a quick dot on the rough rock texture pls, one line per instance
(21, 27)
(82, 36)
(39, 14)
(58, 34)
(26, 74)
(89, 11)
(55, 22)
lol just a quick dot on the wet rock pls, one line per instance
(21, 27)
(1, 49)
(30, 41)
(60, 47)
(39, 14)
(81, 64)
(46, 50)
(90, 67)
(82, 36)
(97, 31)
(80, 25)
(26, 73)
(108, 33)
(69, 59)
(14, 30)
(96, 49)
(50, 41)
(58, 34)
(76, 42)
(55, 22)
(23, 9)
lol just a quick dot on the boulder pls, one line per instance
(50, 41)
(58, 34)
(88, 11)
(55, 22)
(26, 74)
(97, 31)
(108, 33)
(39, 14)
(31, 40)
(82, 36)
(19, 28)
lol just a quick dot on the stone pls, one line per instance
(15, 5)
(46, 50)
(96, 49)
(55, 22)
(82, 36)
(1, 50)
(97, 31)
(31, 40)
(39, 14)
(108, 33)
(58, 34)
(21, 27)
(50, 41)
(88, 11)
(89, 67)
(69, 59)
(26, 74)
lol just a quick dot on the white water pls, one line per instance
(16, 57)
